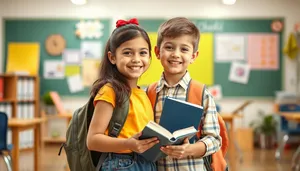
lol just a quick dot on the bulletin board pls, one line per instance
(211, 69)
(37, 30)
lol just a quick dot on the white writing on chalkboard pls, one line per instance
(214, 26)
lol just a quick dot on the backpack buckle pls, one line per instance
(115, 129)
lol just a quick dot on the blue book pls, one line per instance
(177, 114)
(165, 137)
(179, 120)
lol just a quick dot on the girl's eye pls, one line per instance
(127, 53)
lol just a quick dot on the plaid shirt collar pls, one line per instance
(184, 82)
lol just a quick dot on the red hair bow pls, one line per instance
(124, 22)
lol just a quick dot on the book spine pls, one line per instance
(1, 89)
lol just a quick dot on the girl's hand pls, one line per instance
(177, 151)
(140, 146)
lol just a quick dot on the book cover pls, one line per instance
(177, 114)
(165, 137)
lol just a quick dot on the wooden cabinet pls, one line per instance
(20, 99)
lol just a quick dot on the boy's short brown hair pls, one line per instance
(178, 26)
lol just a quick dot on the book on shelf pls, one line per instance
(1, 89)
(179, 120)
(165, 137)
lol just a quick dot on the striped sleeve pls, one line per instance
(210, 132)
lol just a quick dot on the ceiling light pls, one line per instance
(79, 2)
(228, 2)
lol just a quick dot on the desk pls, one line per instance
(18, 125)
(229, 119)
(292, 116)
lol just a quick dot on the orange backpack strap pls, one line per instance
(224, 135)
(197, 90)
(152, 95)
(195, 95)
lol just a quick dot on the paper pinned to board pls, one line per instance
(72, 56)
(90, 70)
(230, 47)
(239, 72)
(263, 51)
(216, 92)
(91, 49)
(75, 83)
(72, 70)
(54, 69)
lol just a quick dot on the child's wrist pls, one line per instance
(197, 149)
(126, 144)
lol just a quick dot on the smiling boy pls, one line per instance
(177, 48)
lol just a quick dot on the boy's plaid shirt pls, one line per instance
(210, 130)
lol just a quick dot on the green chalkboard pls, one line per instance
(261, 83)
(37, 30)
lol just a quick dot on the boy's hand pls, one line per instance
(177, 151)
(140, 146)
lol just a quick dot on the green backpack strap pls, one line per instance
(115, 126)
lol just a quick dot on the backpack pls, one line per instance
(216, 161)
(79, 157)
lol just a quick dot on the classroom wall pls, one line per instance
(167, 8)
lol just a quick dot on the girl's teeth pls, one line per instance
(135, 68)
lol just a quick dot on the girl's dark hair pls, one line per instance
(108, 71)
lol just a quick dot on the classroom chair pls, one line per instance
(285, 128)
(5, 150)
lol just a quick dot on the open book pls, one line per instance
(165, 137)
(178, 114)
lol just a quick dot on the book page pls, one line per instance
(159, 129)
(184, 132)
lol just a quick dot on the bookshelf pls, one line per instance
(20, 99)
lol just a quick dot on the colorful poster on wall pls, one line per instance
(230, 47)
(16, 54)
(263, 51)
(239, 72)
